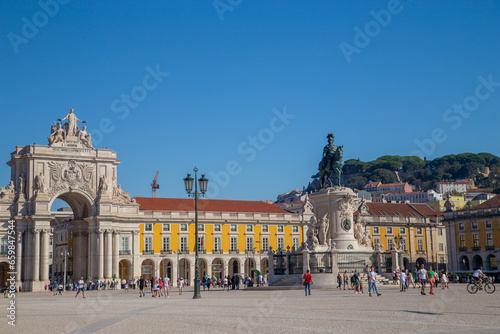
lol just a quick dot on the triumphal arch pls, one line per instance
(71, 169)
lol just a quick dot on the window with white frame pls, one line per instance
(295, 229)
(475, 240)
(295, 243)
(375, 230)
(389, 231)
(250, 244)
(462, 241)
(184, 227)
(420, 245)
(440, 231)
(265, 244)
(201, 243)
(234, 228)
(249, 228)
(148, 244)
(166, 227)
(376, 243)
(4, 246)
(402, 230)
(217, 228)
(50, 255)
(233, 244)
(461, 226)
(281, 243)
(166, 244)
(124, 244)
(265, 228)
(148, 227)
(488, 224)
(390, 244)
(474, 225)
(489, 239)
(402, 244)
(184, 244)
(217, 244)
(281, 228)
(201, 227)
(419, 230)
(441, 247)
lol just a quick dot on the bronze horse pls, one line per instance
(334, 166)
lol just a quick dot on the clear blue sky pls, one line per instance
(231, 66)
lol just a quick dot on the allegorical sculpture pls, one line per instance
(331, 163)
(317, 232)
(70, 131)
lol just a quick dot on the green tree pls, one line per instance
(357, 182)
(382, 175)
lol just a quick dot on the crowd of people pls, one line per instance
(90, 285)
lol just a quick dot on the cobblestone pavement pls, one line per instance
(257, 311)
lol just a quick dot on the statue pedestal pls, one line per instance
(337, 202)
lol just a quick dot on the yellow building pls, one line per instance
(458, 200)
(414, 229)
(233, 238)
(474, 237)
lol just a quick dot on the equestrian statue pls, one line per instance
(331, 163)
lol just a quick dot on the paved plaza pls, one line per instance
(257, 310)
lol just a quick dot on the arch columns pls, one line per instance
(116, 253)
(108, 252)
(35, 271)
(19, 256)
(44, 255)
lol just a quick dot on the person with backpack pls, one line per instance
(307, 282)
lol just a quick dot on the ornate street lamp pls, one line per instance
(188, 183)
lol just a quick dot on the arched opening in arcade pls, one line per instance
(234, 267)
(420, 261)
(477, 262)
(491, 263)
(147, 269)
(202, 267)
(264, 266)
(4, 268)
(463, 263)
(406, 264)
(249, 268)
(184, 266)
(125, 271)
(69, 248)
(166, 268)
(218, 269)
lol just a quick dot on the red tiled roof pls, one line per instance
(213, 205)
(401, 209)
(491, 203)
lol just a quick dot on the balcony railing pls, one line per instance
(476, 248)
(490, 247)
(4, 253)
(462, 249)
(166, 251)
(234, 251)
(125, 252)
(148, 252)
(202, 251)
(217, 251)
(420, 251)
(183, 252)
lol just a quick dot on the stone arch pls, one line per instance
(250, 266)
(148, 269)
(477, 262)
(234, 266)
(166, 268)
(420, 261)
(218, 269)
(264, 267)
(125, 270)
(80, 202)
(4, 268)
(184, 266)
(491, 262)
(463, 263)
(202, 266)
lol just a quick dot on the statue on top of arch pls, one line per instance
(60, 133)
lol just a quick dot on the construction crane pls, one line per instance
(155, 185)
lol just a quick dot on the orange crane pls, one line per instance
(155, 185)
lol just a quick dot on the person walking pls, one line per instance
(402, 282)
(225, 284)
(372, 282)
(307, 282)
(166, 286)
(415, 278)
(422, 276)
(81, 282)
(339, 281)
(355, 279)
(432, 279)
(204, 283)
(142, 283)
(181, 285)
(346, 280)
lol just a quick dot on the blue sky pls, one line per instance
(233, 68)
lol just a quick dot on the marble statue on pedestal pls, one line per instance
(72, 125)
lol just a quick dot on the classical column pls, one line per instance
(100, 253)
(108, 252)
(116, 253)
(36, 255)
(19, 256)
(136, 254)
(44, 255)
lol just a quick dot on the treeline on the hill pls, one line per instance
(425, 174)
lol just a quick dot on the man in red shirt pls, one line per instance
(307, 282)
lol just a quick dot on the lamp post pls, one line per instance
(65, 253)
(188, 183)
